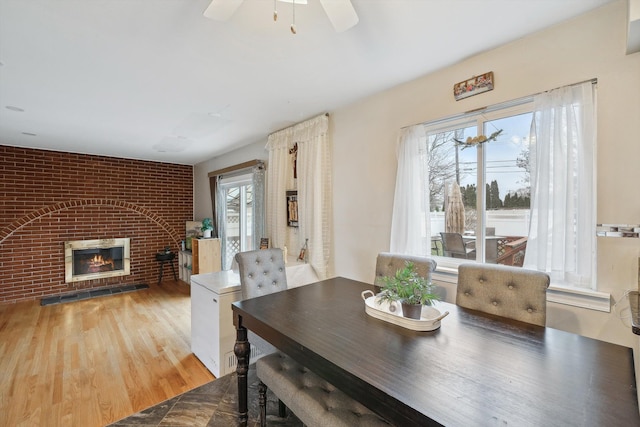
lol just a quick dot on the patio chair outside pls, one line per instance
(454, 246)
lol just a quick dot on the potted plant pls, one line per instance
(207, 227)
(410, 289)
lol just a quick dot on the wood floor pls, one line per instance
(92, 362)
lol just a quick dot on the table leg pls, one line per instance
(160, 272)
(242, 350)
(175, 276)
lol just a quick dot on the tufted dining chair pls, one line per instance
(388, 263)
(261, 272)
(506, 291)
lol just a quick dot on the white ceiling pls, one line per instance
(155, 80)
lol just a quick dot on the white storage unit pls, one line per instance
(212, 332)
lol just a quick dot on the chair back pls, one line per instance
(453, 244)
(388, 263)
(261, 272)
(506, 291)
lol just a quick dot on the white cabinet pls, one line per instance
(205, 312)
(212, 332)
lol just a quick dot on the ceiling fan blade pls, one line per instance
(341, 14)
(221, 10)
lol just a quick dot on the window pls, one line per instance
(238, 205)
(526, 197)
(480, 194)
(237, 215)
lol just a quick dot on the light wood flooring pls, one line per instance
(90, 363)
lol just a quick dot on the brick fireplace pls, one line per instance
(49, 198)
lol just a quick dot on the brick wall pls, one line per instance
(48, 197)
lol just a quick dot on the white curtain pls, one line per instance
(563, 201)
(410, 228)
(314, 185)
(279, 180)
(315, 191)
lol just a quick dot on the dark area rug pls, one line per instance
(214, 404)
(91, 294)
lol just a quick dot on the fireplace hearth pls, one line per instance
(96, 259)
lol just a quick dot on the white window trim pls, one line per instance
(577, 297)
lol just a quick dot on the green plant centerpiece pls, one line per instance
(410, 289)
(207, 227)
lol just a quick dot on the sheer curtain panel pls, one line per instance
(314, 188)
(410, 228)
(563, 200)
(279, 180)
(315, 191)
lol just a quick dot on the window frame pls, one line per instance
(477, 118)
(240, 182)
(447, 268)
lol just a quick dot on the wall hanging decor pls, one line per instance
(473, 86)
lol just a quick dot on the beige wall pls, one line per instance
(365, 133)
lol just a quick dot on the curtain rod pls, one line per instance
(504, 104)
(295, 124)
(241, 166)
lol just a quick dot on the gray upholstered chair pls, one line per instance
(506, 291)
(261, 272)
(388, 263)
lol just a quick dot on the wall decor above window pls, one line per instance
(473, 86)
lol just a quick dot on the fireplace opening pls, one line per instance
(96, 259)
(89, 261)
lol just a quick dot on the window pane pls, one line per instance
(232, 223)
(452, 181)
(508, 189)
(239, 220)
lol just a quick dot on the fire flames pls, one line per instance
(99, 263)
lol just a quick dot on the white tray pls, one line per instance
(392, 312)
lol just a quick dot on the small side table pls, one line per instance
(163, 257)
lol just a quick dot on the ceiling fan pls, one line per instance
(340, 12)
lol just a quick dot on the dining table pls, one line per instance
(476, 369)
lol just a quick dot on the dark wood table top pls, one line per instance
(475, 370)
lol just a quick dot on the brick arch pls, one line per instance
(70, 204)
